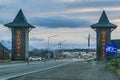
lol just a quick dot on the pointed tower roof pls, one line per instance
(103, 18)
(103, 22)
(20, 21)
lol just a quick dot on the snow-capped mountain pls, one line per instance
(8, 45)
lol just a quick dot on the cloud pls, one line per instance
(36, 39)
(52, 7)
(6, 2)
(60, 22)
(66, 1)
(47, 15)
(41, 5)
(4, 20)
(30, 7)
(93, 4)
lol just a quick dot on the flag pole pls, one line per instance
(88, 42)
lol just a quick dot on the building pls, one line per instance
(116, 41)
(4, 53)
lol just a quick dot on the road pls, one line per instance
(80, 70)
(13, 70)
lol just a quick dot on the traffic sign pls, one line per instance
(111, 49)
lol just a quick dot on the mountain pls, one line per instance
(8, 45)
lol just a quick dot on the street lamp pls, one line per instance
(48, 43)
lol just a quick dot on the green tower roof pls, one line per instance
(19, 21)
(103, 22)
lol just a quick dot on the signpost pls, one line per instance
(110, 49)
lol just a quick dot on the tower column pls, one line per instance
(103, 34)
(20, 36)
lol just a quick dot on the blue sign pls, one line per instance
(111, 49)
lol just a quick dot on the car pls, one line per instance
(42, 58)
(34, 58)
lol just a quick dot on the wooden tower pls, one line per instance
(103, 34)
(20, 29)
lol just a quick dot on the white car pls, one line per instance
(34, 58)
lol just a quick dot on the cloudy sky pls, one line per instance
(70, 20)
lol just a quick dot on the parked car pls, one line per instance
(34, 58)
(42, 58)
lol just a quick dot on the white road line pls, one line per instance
(12, 76)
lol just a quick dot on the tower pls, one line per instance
(20, 29)
(103, 34)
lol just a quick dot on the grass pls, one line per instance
(115, 67)
(4, 62)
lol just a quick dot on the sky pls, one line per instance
(70, 20)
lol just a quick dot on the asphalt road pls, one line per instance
(13, 70)
(79, 70)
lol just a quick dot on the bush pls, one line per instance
(115, 67)
(111, 67)
(118, 71)
(118, 64)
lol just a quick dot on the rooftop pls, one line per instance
(103, 22)
(19, 21)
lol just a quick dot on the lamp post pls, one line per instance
(48, 44)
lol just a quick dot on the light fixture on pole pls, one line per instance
(48, 44)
